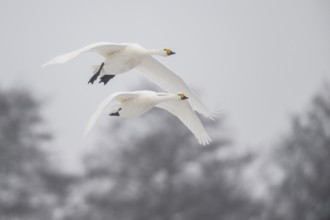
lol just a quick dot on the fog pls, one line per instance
(266, 64)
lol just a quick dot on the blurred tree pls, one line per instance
(304, 158)
(25, 192)
(158, 171)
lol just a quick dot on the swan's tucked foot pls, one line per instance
(105, 79)
(115, 113)
(94, 77)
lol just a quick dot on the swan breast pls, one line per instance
(124, 60)
(137, 106)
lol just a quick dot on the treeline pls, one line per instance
(159, 172)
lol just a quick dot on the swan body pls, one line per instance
(122, 57)
(123, 60)
(133, 104)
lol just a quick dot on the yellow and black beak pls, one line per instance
(169, 52)
(182, 96)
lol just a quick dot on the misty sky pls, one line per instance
(259, 60)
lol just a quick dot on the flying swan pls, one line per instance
(122, 57)
(136, 103)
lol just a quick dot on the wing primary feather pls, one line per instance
(118, 96)
(97, 113)
(100, 47)
(188, 117)
(171, 82)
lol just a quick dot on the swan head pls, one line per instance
(168, 52)
(182, 96)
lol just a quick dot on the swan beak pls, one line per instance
(182, 96)
(171, 53)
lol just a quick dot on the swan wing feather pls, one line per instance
(189, 118)
(102, 48)
(171, 82)
(118, 96)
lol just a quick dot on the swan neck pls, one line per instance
(168, 98)
(155, 52)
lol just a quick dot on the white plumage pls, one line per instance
(136, 103)
(122, 57)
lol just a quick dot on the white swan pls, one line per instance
(136, 103)
(122, 57)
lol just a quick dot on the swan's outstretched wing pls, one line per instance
(101, 48)
(183, 111)
(118, 96)
(171, 82)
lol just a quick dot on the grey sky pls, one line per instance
(260, 60)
